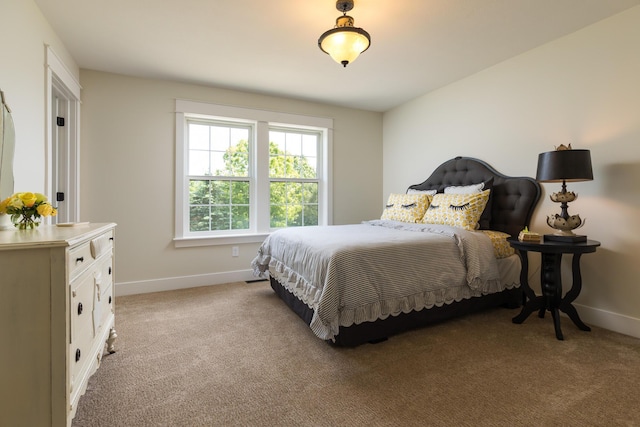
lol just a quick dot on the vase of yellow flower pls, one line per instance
(26, 209)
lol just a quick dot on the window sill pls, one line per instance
(190, 242)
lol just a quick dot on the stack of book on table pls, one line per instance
(529, 236)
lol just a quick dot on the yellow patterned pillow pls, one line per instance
(501, 248)
(457, 210)
(406, 207)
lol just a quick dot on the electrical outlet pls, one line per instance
(235, 251)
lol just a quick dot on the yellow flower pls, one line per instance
(29, 199)
(4, 204)
(45, 209)
(16, 202)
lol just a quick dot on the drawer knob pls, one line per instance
(109, 299)
(109, 270)
(79, 259)
(79, 308)
(77, 355)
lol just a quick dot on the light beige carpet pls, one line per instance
(235, 355)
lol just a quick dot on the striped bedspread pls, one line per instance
(349, 274)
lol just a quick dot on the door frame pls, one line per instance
(62, 85)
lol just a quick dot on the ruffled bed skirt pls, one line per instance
(304, 291)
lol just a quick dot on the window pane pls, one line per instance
(294, 216)
(198, 136)
(310, 194)
(240, 192)
(278, 140)
(220, 217)
(309, 168)
(277, 193)
(239, 217)
(311, 215)
(277, 165)
(310, 145)
(238, 134)
(199, 163)
(199, 218)
(278, 216)
(199, 192)
(218, 164)
(219, 138)
(220, 192)
(294, 144)
(294, 193)
(237, 161)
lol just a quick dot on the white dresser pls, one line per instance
(56, 317)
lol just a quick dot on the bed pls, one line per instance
(360, 283)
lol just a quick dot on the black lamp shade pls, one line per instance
(564, 165)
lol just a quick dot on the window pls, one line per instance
(241, 173)
(293, 177)
(218, 174)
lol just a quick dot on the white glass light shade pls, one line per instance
(344, 44)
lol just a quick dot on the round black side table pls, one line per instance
(551, 280)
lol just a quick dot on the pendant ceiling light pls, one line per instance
(344, 42)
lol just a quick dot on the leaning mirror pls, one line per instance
(7, 146)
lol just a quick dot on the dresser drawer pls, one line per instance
(80, 351)
(101, 245)
(82, 256)
(79, 260)
(81, 304)
(103, 272)
(103, 294)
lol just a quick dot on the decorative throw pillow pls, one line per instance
(485, 219)
(501, 248)
(457, 210)
(406, 207)
(427, 192)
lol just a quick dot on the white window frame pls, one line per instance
(262, 121)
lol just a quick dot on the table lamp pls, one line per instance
(564, 165)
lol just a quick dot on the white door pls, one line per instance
(60, 164)
(63, 132)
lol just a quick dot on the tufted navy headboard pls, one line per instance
(512, 199)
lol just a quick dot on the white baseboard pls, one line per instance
(608, 320)
(173, 283)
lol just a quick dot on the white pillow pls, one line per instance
(427, 192)
(464, 189)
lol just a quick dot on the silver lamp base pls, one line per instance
(564, 229)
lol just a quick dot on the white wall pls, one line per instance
(24, 33)
(127, 175)
(582, 89)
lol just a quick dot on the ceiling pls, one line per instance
(270, 46)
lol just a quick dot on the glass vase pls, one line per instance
(27, 223)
